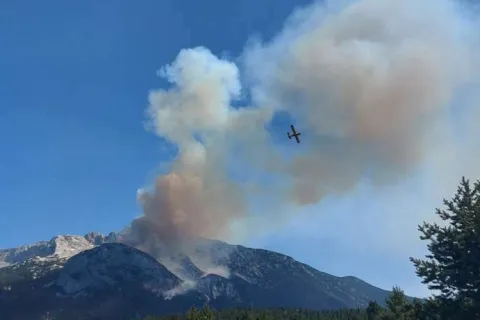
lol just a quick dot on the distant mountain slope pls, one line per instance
(108, 280)
(274, 274)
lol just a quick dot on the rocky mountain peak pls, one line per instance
(61, 246)
(97, 238)
(68, 245)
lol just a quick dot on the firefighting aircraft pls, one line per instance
(294, 134)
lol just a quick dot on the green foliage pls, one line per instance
(417, 310)
(206, 313)
(453, 265)
(265, 314)
(374, 311)
(397, 305)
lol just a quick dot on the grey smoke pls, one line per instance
(370, 82)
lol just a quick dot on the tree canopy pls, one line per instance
(453, 265)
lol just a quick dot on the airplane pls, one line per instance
(294, 134)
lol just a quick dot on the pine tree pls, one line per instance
(373, 310)
(453, 265)
(398, 305)
(206, 313)
(193, 313)
(418, 312)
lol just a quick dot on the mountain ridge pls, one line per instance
(97, 273)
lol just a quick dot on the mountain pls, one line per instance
(96, 277)
(63, 246)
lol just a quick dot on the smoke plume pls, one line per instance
(369, 83)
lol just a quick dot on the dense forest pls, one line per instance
(265, 314)
(397, 307)
(452, 268)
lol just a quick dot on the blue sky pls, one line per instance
(73, 90)
(74, 84)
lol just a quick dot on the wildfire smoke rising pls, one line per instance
(370, 82)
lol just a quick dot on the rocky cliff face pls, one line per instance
(62, 246)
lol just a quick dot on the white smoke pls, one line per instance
(371, 84)
(182, 288)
